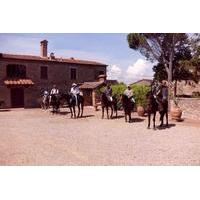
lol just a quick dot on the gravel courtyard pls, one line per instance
(36, 137)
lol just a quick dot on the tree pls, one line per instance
(180, 70)
(194, 63)
(160, 47)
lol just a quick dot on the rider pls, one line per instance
(108, 93)
(129, 93)
(54, 91)
(75, 91)
(164, 90)
(156, 89)
(46, 92)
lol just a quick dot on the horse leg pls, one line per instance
(161, 118)
(111, 112)
(167, 118)
(149, 120)
(125, 115)
(154, 119)
(78, 109)
(71, 111)
(74, 110)
(107, 112)
(102, 112)
(82, 106)
(129, 117)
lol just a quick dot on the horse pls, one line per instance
(71, 101)
(105, 103)
(154, 105)
(45, 102)
(55, 103)
(128, 107)
(152, 108)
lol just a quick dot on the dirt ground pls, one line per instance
(37, 137)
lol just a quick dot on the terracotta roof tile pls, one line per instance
(91, 85)
(60, 60)
(18, 82)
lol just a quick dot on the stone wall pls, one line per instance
(58, 73)
(190, 107)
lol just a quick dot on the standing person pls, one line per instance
(129, 93)
(45, 99)
(75, 91)
(108, 93)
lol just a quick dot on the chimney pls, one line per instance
(102, 78)
(43, 48)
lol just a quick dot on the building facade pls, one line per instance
(23, 78)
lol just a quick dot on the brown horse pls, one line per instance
(105, 103)
(154, 105)
(71, 101)
(128, 107)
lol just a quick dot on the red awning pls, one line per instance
(10, 82)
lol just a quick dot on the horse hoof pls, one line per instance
(148, 127)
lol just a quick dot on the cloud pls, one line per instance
(114, 72)
(139, 70)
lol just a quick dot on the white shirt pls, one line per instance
(75, 90)
(128, 93)
(54, 91)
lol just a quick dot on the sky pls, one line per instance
(124, 64)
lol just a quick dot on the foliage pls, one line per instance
(160, 47)
(117, 89)
(181, 72)
(196, 94)
(140, 92)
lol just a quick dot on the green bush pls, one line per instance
(117, 89)
(140, 92)
(196, 94)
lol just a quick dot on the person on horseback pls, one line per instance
(46, 93)
(75, 91)
(108, 93)
(129, 93)
(54, 90)
(164, 91)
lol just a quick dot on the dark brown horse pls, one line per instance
(106, 104)
(55, 103)
(154, 105)
(71, 102)
(128, 107)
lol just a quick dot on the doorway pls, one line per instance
(17, 97)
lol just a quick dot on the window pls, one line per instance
(73, 74)
(101, 72)
(16, 71)
(44, 72)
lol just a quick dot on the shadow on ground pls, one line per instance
(86, 116)
(5, 110)
(118, 117)
(165, 126)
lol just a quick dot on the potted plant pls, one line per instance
(176, 111)
(140, 92)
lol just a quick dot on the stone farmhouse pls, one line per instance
(23, 78)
